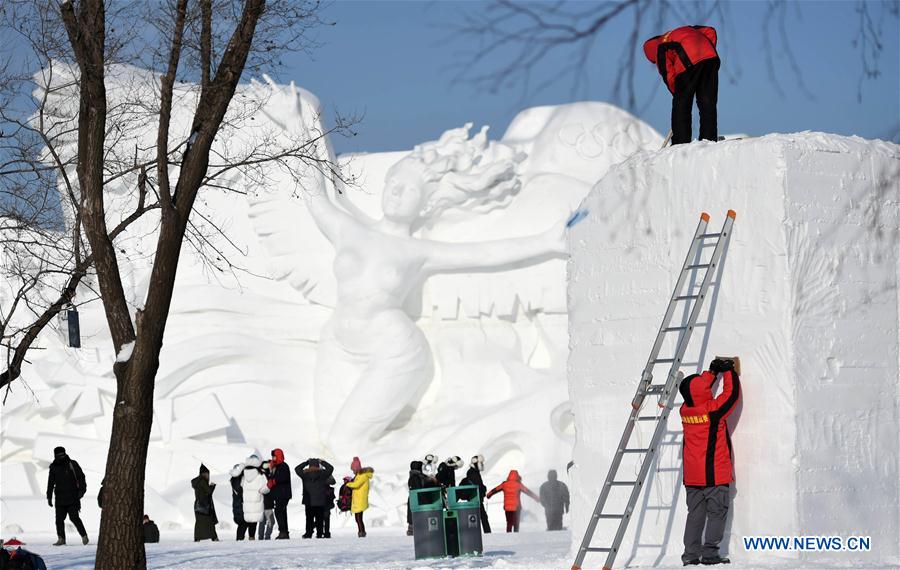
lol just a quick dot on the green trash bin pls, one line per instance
(465, 502)
(427, 508)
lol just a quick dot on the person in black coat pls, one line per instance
(555, 499)
(315, 474)
(417, 480)
(280, 489)
(151, 531)
(237, 501)
(473, 477)
(446, 473)
(205, 519)
(328, 506)
(66, 482)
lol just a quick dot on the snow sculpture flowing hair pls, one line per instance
(463, 173)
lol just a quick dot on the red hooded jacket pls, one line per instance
(679, 49)
(512, 488)
(707, 445)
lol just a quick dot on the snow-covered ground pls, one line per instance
(531, 549)
(383, 548)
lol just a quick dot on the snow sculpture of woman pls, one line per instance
(373, 362)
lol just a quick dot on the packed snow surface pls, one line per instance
(808, 300)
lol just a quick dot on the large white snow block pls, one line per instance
(809, 300)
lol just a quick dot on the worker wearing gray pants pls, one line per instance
(707, 507)
(708, 462)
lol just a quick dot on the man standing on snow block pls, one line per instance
(708, 463)
(280, 489)
(689, 64)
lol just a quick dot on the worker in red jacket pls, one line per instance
(689, 64)
(708, 463)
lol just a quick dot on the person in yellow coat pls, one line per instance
(360, 485)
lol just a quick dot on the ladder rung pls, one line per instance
(610, 516)
(686, 297)
(704, 236)
(673, 329)
(698, 266)
(647, 418)
(636, 450)
(596, 549)
(663, 360)
(623, 483)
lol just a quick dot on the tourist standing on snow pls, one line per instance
(237, 500)
(446, 472)
(151, 531)
(205, 519)
(473, 477)
(512, 504)
(267, 523)
(254, 487)
(708, 465)
(326, 521)
(430, 466)
(315, 474)
(66, 482)
(555, 500)
(689, 64)
(280, 489)
(417, 480)
(360, 486)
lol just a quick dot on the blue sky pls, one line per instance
(389, 60)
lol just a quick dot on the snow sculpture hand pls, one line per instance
(283, 106)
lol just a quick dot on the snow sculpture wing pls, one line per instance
(298, 252)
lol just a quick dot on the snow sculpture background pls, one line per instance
(238, 370)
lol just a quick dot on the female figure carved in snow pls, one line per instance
(373, 362)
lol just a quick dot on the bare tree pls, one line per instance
(55, 225)
(514, 42)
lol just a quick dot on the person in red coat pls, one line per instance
(708, 462)
(689, 64)
(512, 489)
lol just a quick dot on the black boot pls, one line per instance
(710, 561)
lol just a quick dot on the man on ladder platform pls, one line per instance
(666, 397)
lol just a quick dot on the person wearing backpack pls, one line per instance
(66, 482)
(345, 496)
(360, 486)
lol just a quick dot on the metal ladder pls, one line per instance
(665, 391)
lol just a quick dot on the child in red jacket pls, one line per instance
(708, 463)
(512, 488)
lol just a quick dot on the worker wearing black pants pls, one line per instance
(700, 80)
(707, 508)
